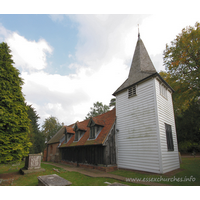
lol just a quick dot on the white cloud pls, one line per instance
(103, 56)
(27, 54)
(102, 37)
(69, 98)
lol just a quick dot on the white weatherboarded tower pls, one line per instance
(146, 134)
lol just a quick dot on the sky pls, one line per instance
(70, 61)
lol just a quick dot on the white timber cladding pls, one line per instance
(170, 159)
(136, 135)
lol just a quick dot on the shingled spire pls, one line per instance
(141, 66)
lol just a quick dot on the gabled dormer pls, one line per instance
(69, 132)
(95, 126)
(79, 131)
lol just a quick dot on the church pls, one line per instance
(138, 134)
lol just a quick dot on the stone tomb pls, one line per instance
(52, 180)
(32, 164)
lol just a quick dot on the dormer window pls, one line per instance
(67, 137)
(78, 135)
(95, 127)
(79, 131)
(132, 91)
(94, 131)
(69, 132)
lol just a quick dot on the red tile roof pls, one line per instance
(69, 129)
(98, 121)
(81, 126)
(106, 119)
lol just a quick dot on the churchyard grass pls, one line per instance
(190, 174)
(189, 167)
(10, 168)
(76, 178)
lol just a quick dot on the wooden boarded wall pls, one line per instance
(94, 154)
(84, 154)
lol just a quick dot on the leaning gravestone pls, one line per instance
(32, 164)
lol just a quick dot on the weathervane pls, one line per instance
(138, 32)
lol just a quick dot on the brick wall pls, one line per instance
(53, 152)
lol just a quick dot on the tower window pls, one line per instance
(163, 90)
(132, 91)
(169, 137)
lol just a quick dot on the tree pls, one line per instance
(36, 136)
(182, 62)
(98, 109)
(14, 122)
(188, 128)
(112, 102)
(50, 127)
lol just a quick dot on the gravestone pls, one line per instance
(32, 164)
(33, 161)
(52, 180)
(117, 184)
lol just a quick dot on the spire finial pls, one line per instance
(138, 32)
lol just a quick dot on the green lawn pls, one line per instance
(76, 178)
(190, 168)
